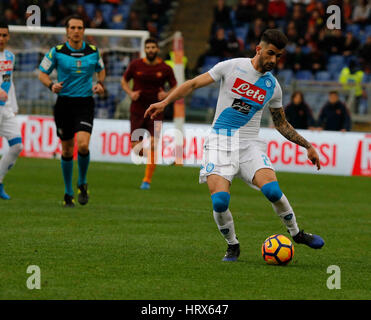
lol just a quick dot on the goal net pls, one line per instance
(117, 48)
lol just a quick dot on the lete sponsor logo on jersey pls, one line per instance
(249, 91)
(5, 65)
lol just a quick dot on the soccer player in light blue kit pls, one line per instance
(233, 147)
(76, 62)
(8, 107)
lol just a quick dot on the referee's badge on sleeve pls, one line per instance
(101, 63)
(46, 63)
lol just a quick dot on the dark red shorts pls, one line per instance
(137, 121)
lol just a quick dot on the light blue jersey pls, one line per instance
(74, 67)
(6, 74)
(243, 94)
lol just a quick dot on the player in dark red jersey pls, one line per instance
(149, 75)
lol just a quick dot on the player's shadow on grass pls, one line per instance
(257, 263)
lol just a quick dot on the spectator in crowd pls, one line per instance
(298, 113)
(351, 45)
(156, 11)
(297, 60)
(50, 13)
(347, 11)
(18, 8)
(8, 17)
(365, 53)
(255, 32)
(117, 20)
(315, 20)
(222, 15)
(261, 12)
(351, 78)
(218, 44)
(152, 28)
(80, 11)
(321, 40)
(311, 37)
(245, 11)
(315, 5)
(98, 21)
(233, 46)
(277, 9)
(271, 24)
(299, 19)
(362, 12)
(335, 42)
(316, 60)
(63, 13)
(292, 33)
(334, 114)
(134, 22)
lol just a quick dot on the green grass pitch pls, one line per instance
(163, 243)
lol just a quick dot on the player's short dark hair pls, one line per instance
(151, 40)
(275, 37)
(4, 25)
(74, 16)
(334, 92)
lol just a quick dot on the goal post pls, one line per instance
(30, 44)
(102, 33)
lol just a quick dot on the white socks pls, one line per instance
(8, 159)
(283, 209)
(224, 221)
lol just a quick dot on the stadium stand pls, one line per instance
(314, 53)
(320, 53)
(102, 14)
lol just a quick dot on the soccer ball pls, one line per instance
(277, 249)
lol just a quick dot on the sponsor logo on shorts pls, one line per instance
(210, 167)
(249, 91)
(6, 77)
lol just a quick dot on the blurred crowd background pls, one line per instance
(321, 69)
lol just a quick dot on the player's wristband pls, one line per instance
(101, 83)
(51, 86)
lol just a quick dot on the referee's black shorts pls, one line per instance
(73, 114)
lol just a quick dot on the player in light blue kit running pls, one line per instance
(9, 128)
(233, 148)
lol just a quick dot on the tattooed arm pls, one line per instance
(286, 129)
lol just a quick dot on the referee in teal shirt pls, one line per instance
(76, 62)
